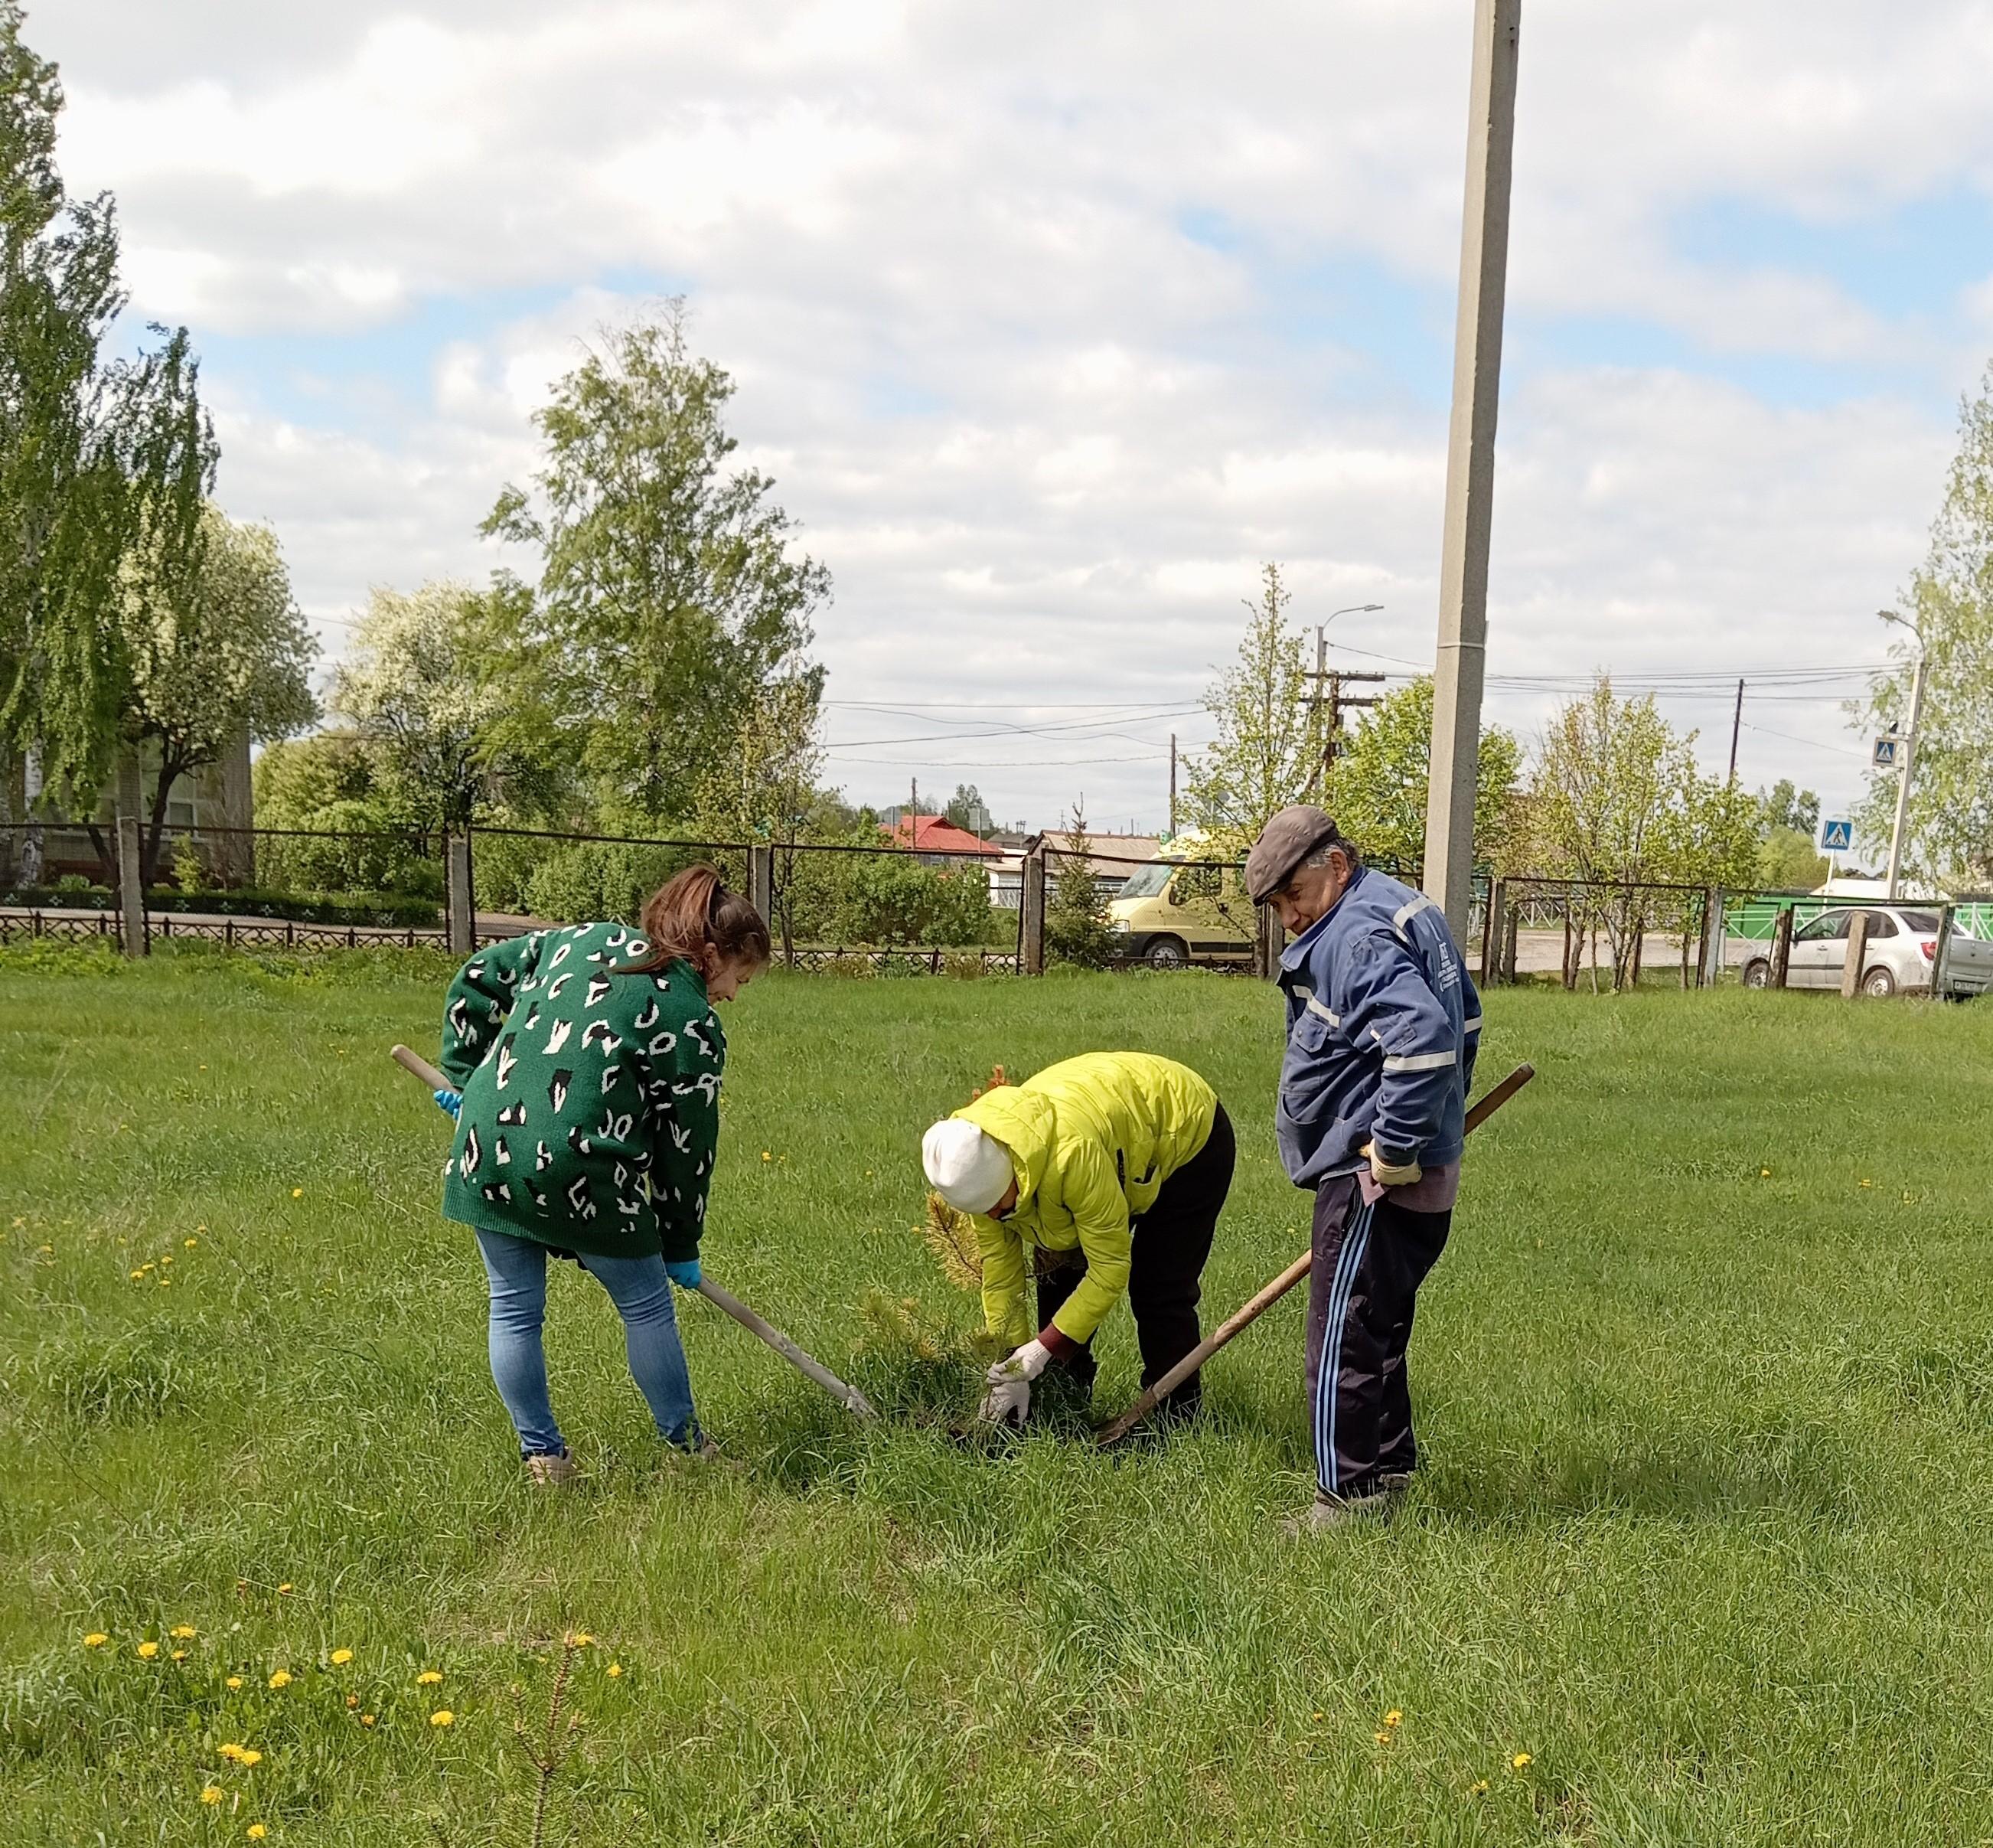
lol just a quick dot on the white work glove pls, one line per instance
(1386, 1174)
(1008, 1398)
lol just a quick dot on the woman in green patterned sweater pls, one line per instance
(587, 1064)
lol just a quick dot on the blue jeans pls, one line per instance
(642, 1293)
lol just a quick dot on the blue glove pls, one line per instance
(683, 1271)
(450, 1102)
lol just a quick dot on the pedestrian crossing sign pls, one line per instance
(1885, 752)
(1836, 836)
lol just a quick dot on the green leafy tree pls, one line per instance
(1786, 806)
(1376, 787)
(669, 588)
(1270, 729)
(212, 659)
(356, 835)
(95, 450)
(1788, 861)
(1949, 838)
(967, 809)
(425, 686)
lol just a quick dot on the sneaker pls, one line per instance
(550, 1470)
(1337, 1511)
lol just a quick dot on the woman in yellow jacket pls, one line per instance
(1115, 1163)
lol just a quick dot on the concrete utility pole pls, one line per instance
(1173, 787)
(1909, 748)
(1460, 664)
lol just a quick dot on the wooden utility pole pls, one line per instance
(1460, 664)
(1736, 726)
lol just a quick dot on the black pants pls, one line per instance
(1369, 1261)
(1169, 1244)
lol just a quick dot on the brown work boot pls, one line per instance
(1339, 1511)
(550, 1471)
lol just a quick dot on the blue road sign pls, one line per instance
(1837, 837)
(1885, 753)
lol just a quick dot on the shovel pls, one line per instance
(1237, 1324)
(850, 1397)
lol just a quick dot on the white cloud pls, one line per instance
(1010, 297)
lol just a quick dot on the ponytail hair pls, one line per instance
(694, 918)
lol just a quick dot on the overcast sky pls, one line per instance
(1052, 321)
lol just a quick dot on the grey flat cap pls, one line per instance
(1289, 837)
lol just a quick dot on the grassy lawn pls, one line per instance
(1703, 1385)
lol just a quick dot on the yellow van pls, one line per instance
(1169, 914)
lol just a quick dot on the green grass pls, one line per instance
(1702, 1529)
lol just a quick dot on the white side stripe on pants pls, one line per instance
(1355, 1241)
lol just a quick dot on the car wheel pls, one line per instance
(1167, 953)
(1758, 973)
(1878, 982)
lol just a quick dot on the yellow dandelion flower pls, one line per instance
(1867, 1182)
(1479, 1787)
(165, 1259)
(581, 1639)
(96, 1640)
(297, 1193)
(233, 1753)
(256, 1831)
(281, 1679)
(1520, 1760)
(614, 1671)
(165, 1283)
(187, 1245)
(766, 1156)
(443, 1716)
(429, 1678)
(183, 1632)
(352, 1701)
(249, 1758)
(137, 1276)
(1764, 1174)
(234, 1681)
(46, 1251)
(179, 1655)
(1318, 1714)
(149, 1649)
(365, 1718)
(340, 1658)
(212, 1793)
(1382, 1738)
(1395, 1717)
(283, 1589)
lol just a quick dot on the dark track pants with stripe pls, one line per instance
(1369, 1261)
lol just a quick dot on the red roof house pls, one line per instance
(935, 834)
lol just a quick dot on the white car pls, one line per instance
(1903, 946)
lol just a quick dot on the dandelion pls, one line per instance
(283, 1590)
(1764, 1174)
(1867, 1182)
(281, 1679)
(1318, 1714)
(443, 1716)
(365, 1718)
(212, 1794)
(352, 1701)
(183, 1632)
(96, 1640)
(581, 1639)
(149, 1649)
(1395, 1717)
(137, 1276)
(165, 1259)
(1519, 1760)
(250, 1759)
(340, 1658)
(297, 1193)
(187, 1245)
(429, 1678)
(765, 1156)
(1479, 1787)
(256, 1831)
(232, 1753)
(614, 1670)
(234, 1683)
(1382, 1738)
(179, 1655)
(46, 1251)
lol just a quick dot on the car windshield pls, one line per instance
(1919, 920)
(1147, 881)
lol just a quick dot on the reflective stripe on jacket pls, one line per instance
(1092, 1139)
(1384, 1022)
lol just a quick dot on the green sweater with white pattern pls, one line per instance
(591, 1097)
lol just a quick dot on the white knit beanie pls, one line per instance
(969, 1170)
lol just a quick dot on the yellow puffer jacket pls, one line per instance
(1092, 1140)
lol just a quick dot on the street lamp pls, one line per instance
(1909, 748)
(1321, 631)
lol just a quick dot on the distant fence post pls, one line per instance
(1947, 919)
(761, 878)
(462, 926)
(1491, 933)
(1032, 961)
(131, 890)
(1851, 970)
(1512, 930)
(1271, 939)
(1782, 947)
(1712, 937)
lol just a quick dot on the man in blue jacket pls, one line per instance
(1383, 1026)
